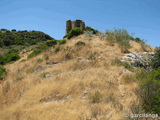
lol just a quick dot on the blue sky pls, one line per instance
(139, 16)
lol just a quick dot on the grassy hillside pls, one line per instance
(75, 79)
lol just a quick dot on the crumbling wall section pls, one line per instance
(72, 24)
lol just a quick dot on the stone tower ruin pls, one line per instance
(72, 24)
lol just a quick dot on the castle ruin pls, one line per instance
(72, 24)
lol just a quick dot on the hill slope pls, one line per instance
(78, 82)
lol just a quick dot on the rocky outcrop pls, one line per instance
(72, 24)
(138, 60)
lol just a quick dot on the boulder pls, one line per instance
(138, 60)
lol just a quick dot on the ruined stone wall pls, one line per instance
(77, 23)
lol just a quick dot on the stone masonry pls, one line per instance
(72, 24)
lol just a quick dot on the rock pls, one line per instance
(62, 101)
(145, 52)
(122, 95)
(125, 57)
(38, 69)
(136, 59)
(83, 99)
(85, 60)
(68, 96)
(51, 63)
(151, 53)
(48, 75)
(125, 61)
(96, 46)
(85, 92)
(127, 71)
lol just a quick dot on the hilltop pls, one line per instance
(77, 78)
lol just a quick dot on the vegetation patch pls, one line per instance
(79, 43)
(137, 39)
(129, 79)
(2, 72)
(156, 59)
(24, 37)
(8, 57)
(90, 29)
(62, 42)
(41, 48)
(120, 36)
(96, 97)
(35, 53)
(74, 32)
(51, 43)
(116, 61)
(150, 90)
(57, 49)
(127, 66)
(40, 60)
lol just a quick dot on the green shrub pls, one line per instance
(35, 53)
(144, 46)
(42, 47)
(80, 43)
(67, 56)
(156, 59)
(74, 32)
(120, 36)
(137, 39)
(62, 42)
(40, 60)
(124, 45)
(38, 50)
(116, 61)
(88, 34)
(57, 49)
(2, 61)
(65, 36)
(9, 57)
(87, 28)
(96, 97)
(150, 90)
(127, 66)
(92, 56)
(2, 72)
(23, 60)
(51, 42)
(13, 51)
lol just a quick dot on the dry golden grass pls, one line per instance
(27, 95)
